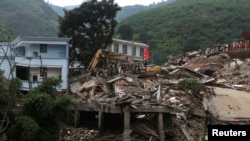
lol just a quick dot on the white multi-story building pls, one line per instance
(131, 48)
(31, 59)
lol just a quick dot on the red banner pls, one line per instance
(146, 54)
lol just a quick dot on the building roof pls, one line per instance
(37, 38)
(130, 43)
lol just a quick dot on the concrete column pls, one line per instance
(126, 132)
(161, 127)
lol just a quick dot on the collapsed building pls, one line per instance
(198, 89)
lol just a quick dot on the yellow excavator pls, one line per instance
(109, 56)
(136, 67)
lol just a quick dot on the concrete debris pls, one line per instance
(78, 134)
(185, 132)
(145, 130)
(95, 87)
(224, 87)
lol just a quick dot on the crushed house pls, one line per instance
(164, 107)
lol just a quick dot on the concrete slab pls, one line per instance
(230, 104)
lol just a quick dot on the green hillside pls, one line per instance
(57, 9)
(127, 11)
(60, 10)
(28, 17)
(189, 25)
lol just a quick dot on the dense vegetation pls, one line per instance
(36, 116)
(28, 17)
(188, 25)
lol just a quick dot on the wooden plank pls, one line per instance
(111, 108)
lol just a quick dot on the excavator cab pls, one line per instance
(153, 68)
(150, 68)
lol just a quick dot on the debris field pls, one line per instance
(191, 91)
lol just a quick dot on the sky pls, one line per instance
(121, 3)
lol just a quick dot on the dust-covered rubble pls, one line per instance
(188, 86)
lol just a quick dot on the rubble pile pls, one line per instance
(78, 134)
(205, 63)
(168, 89)
(237, 79)
(229, 72)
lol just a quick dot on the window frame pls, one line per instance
(141, 52)
(43, 48)
(124, 49)
(116, 48)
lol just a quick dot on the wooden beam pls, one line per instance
(112, 108)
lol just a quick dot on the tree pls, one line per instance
(126, 32)
(9, 91)
(5, 34)
(42, 113)
(91, 27)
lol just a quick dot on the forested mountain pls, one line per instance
(28, 17)
(187, 25)
(169, 29)
(125, 11)
(5, 34)
(59, 10)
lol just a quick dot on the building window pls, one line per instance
(22, 73)
(43, 48)
(35, 78)
(35, 54)
(141, 52)
(134, 51)
(116, 48)
(124, 49)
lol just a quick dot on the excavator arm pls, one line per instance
(94, 60)
(108, 55)
(119, 56)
